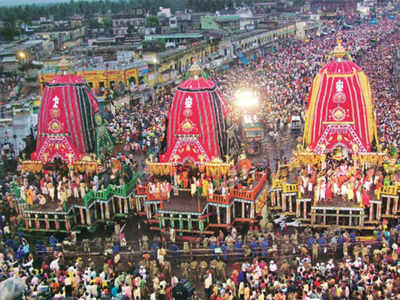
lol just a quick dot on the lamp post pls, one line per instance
(246, 103)
(157, 75)
(21, 55)
(22, 58)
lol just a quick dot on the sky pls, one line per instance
(24, 2)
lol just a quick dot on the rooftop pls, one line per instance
(111, 65)
(192, 35)
(9, 59)
(250, 33)
(31, 43)
(168, 53)
(227, 18)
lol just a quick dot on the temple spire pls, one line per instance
(195, 70)
(339, 52)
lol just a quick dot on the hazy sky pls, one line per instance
(23, 2)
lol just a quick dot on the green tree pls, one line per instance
(107, 23)
(93, 23)
(152, 21)
(131, 29)
(155, 45)
(8, 32)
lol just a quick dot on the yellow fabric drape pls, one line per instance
(366, 91)
(311, 110)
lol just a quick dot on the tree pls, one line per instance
(152, 22)
(155, 45)
(107, 23)
(131, 29)
(93, 23)
(8, 32)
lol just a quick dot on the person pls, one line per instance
(315, 251)
(193, 187)
(254, 247)
(264, 246)
(208, 284)
(365, 197)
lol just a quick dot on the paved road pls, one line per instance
(275, 149)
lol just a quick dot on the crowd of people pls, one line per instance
(199, 183)
(355, 277)
(140, 128)
(55, 188)
(343, 181)
(383, 79)
(8, 82)
(277, 265)
(282, 79)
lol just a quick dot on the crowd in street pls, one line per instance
(282, 80)
(283, 77)
(140, 127)
(353, 278)
(383, 79)
(7, 84)
(277, 265)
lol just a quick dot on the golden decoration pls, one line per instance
(339, 114)
(32, 166)
(88, 167)
(187, 126)
(339, 51)
(54, 126)
(195, 70)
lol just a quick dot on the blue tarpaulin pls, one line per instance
(243, 58)
(373, 21)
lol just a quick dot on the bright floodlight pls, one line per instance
(21, 54)
(246, 98)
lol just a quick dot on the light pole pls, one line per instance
(246, 104)
(21, 56)
(22, 59)
(155, 61)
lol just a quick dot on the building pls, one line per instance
(63, 36)
(265, 7)
(126, 24)
(9, 63)
(26, 51)
(175, 39)
(228, 23)
(108, 75)
(76, 21)
(196, 19)
(165, 67)
(108, 47)
(184, 20)
(259, 38)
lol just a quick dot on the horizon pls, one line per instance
(10, 3)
